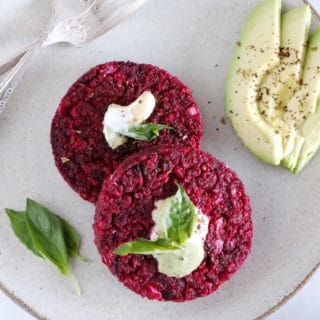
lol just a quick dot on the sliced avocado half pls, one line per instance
(267, 82)
(255, 54)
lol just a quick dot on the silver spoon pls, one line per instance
(77, 24)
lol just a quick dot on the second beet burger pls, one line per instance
(138, 236)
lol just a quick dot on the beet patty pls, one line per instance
(124, 213)
(80, 150)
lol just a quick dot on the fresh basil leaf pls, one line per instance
(19, 226)
(182, 217)
(146, 131)
(48, 231)
(144, 246)
(72, 239)
(47, 236)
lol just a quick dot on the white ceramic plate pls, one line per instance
(193, 40)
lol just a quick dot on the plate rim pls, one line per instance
(280, 303)
(22, 304)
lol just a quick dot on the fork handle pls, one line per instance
(10, 82)
(12, 61)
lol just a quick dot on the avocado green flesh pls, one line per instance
(311, 132)
(278, 86)
(256, 53)
(291, 160)
(304, 102)
(304, 110)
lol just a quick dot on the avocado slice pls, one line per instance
(256, 53)
(279, 84)
(303, 109)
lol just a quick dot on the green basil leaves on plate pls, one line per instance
(146, 131)
(47, 236)
(72, 238)
(180, 222)
(19, 226)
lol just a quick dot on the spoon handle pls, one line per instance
(10, 82)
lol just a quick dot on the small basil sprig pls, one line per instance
(180, 221)
(182, 217)
(145, 131)
(145, 246)
(48, 236)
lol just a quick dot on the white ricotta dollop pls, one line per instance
(118, 119)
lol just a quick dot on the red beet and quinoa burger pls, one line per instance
(173, 223)
(114, 110)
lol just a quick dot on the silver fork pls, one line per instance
(79, 30)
